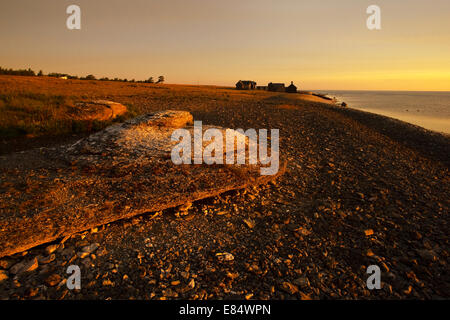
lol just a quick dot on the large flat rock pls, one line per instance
(100, 110)
(122, 171)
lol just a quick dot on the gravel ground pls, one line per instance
(354, 194)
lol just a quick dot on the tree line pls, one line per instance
(19, 72)
(29, 72)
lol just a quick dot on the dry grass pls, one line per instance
(33, 114)
(39, 106)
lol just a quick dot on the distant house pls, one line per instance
(276, 87)
(245, 85)
(63, 77)
(291, 88)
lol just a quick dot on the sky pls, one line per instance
(317, 44)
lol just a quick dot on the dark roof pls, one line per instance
(291, 88)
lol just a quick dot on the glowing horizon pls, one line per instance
(319, 46)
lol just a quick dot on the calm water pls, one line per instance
(430, 110)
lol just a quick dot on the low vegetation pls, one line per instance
(20, 72)
(40, 106)
(28, 113)
(29, 72)
(38, 114)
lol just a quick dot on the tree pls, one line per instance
(90, 77)
(160, 79)
(150, 80)
(40, 73)
(20, 72)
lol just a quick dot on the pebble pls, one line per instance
(53, 280)
(302, 282)
(107, 282)
(90, 248)
(225, 256)
(47, 259)
(82, 254)
(169, 293)
(31, 292)
(67, 252)
(3, 275)
(6, 264)
(289, 288)
(250, 223)
(24, 266)
(51, 248)
(427, 254)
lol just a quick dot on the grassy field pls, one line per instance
(40, 106)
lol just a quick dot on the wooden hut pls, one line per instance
(291, 88)
(276, 87)
(245, 85)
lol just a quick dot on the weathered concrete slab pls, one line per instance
(122, 171)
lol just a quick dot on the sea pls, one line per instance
(427, 109)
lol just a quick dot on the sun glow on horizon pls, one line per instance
(317, 45)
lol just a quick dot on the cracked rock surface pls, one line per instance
(122, 171)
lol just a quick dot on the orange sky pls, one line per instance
(317, 44)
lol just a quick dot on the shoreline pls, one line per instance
(359, 189)
(423, 121)
(434, 143)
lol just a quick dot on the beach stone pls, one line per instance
(428, 255)
(3, 275)
(6, 263)
(53, 280)
(82, 254)
(24, 266)
(226, 256)
(289, 287)
(90, 248)
(117, 173)
(68, 252)
(302, 282)
(47, 259)
(100, 110)
(51, 248)
(31, 292)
